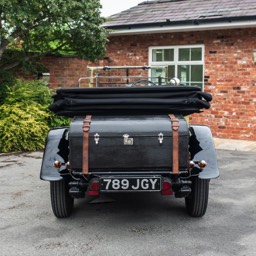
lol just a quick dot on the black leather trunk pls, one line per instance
(128, 143)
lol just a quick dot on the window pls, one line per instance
(184, 62)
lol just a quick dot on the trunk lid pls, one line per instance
(128, 143)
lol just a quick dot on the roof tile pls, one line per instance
(159, 11)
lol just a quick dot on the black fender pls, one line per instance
(202, 148)
(56, 148)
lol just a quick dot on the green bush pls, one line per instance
(5, 80)
(22, 127)
(57, 121)
(25, 118)
(29, 92)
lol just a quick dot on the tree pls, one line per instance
(32, 28)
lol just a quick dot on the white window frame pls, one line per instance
(176, 62)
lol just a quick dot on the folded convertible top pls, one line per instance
(183, 100)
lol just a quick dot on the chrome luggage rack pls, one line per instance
(109, 76)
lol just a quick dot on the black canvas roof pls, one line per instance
(153, 13)
(183, 100)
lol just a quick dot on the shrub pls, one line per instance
(57, 121)
(25, 118)
(5, 80)
(29, 92)
(22, 127)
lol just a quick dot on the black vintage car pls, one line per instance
(129, 139)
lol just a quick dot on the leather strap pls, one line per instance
(86, 129)
(175, 149)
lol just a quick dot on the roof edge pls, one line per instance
(183, 28)
(182, 22)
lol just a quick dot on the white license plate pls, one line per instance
(130, 184)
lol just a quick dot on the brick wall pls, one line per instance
(230, 73)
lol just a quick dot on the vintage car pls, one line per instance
(130, 139)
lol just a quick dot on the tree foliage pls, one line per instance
(32, 28)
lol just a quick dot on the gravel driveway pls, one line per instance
(139, 225)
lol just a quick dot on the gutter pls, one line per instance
(183, 26)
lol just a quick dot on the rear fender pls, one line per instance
(202, 148)
(56, 148)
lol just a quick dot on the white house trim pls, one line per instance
(183, 28)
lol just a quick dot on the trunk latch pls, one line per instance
(96, 138)
(128, 141)
(160, 138)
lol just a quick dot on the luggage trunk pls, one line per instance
(128, 143)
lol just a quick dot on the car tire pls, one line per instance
(62, 202)
(197, 200)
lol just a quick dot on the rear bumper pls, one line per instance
(130, 184)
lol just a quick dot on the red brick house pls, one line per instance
(209, 43)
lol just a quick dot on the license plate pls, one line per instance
(127, 184)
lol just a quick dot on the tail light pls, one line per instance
(167, 188)
(57, 164)
(191, 164)
(202, 164)
(94, 188)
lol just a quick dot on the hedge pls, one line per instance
(24, 116)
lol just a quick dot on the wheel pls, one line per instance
(197, 200)
(62, 202)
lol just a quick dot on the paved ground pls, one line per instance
(141, 225)
(240, 145)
